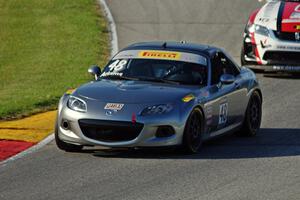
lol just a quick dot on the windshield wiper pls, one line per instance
(160, 80)
(117, 77)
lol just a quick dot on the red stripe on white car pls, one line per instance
(253, 16)
(252, 36)
(291, 17)
(257, 56)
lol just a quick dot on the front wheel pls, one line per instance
(192, 138)
(63, 145)
(243, 61)
(252, 118)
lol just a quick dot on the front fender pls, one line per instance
(62, 102)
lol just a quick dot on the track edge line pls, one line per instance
(111, 26)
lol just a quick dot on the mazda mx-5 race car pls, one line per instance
(272, 37)
(160, 94)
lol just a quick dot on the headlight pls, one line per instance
(157, 109)
(76, 104)
(261, 30)
(254, 28)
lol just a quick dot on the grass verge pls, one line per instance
(46, 47)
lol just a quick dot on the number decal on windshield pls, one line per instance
(117, 66)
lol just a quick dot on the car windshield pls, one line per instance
(156, 70)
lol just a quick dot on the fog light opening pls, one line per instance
(165, 131)
(65, 124)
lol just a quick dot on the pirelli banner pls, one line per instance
(162, 55)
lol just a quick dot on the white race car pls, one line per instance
(272, 37)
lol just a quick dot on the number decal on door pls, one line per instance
(223, 113)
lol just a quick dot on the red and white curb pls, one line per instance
(32, 149)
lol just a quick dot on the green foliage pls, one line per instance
(46, 46)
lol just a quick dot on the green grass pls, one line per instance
(46, 46)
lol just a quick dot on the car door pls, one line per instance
(224, 98)
(238, 95)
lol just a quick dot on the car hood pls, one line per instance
(133, 91)
(280, 16)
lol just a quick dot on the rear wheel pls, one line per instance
(63, 145)
(192, 138)
(252, 119)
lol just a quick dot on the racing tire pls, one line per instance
(243, 61)
(252, 120)
(63, 145)
(192, 137)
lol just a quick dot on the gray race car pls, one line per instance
(160, 94)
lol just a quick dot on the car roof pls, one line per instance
(174, 46)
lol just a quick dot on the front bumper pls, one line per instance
(276, 68)
(275, 52)
(82, 130)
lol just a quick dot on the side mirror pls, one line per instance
(227, 79)
(95, 71)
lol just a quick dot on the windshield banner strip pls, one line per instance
(162, 55)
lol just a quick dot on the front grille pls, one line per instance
(287, 36)
(282, 57)
(110, 131)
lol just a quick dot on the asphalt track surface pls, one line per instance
(265, 167)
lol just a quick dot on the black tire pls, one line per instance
(192, 137)
(63, 145)
(243, 61)
(253, 114)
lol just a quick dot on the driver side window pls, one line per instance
(222, 65)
